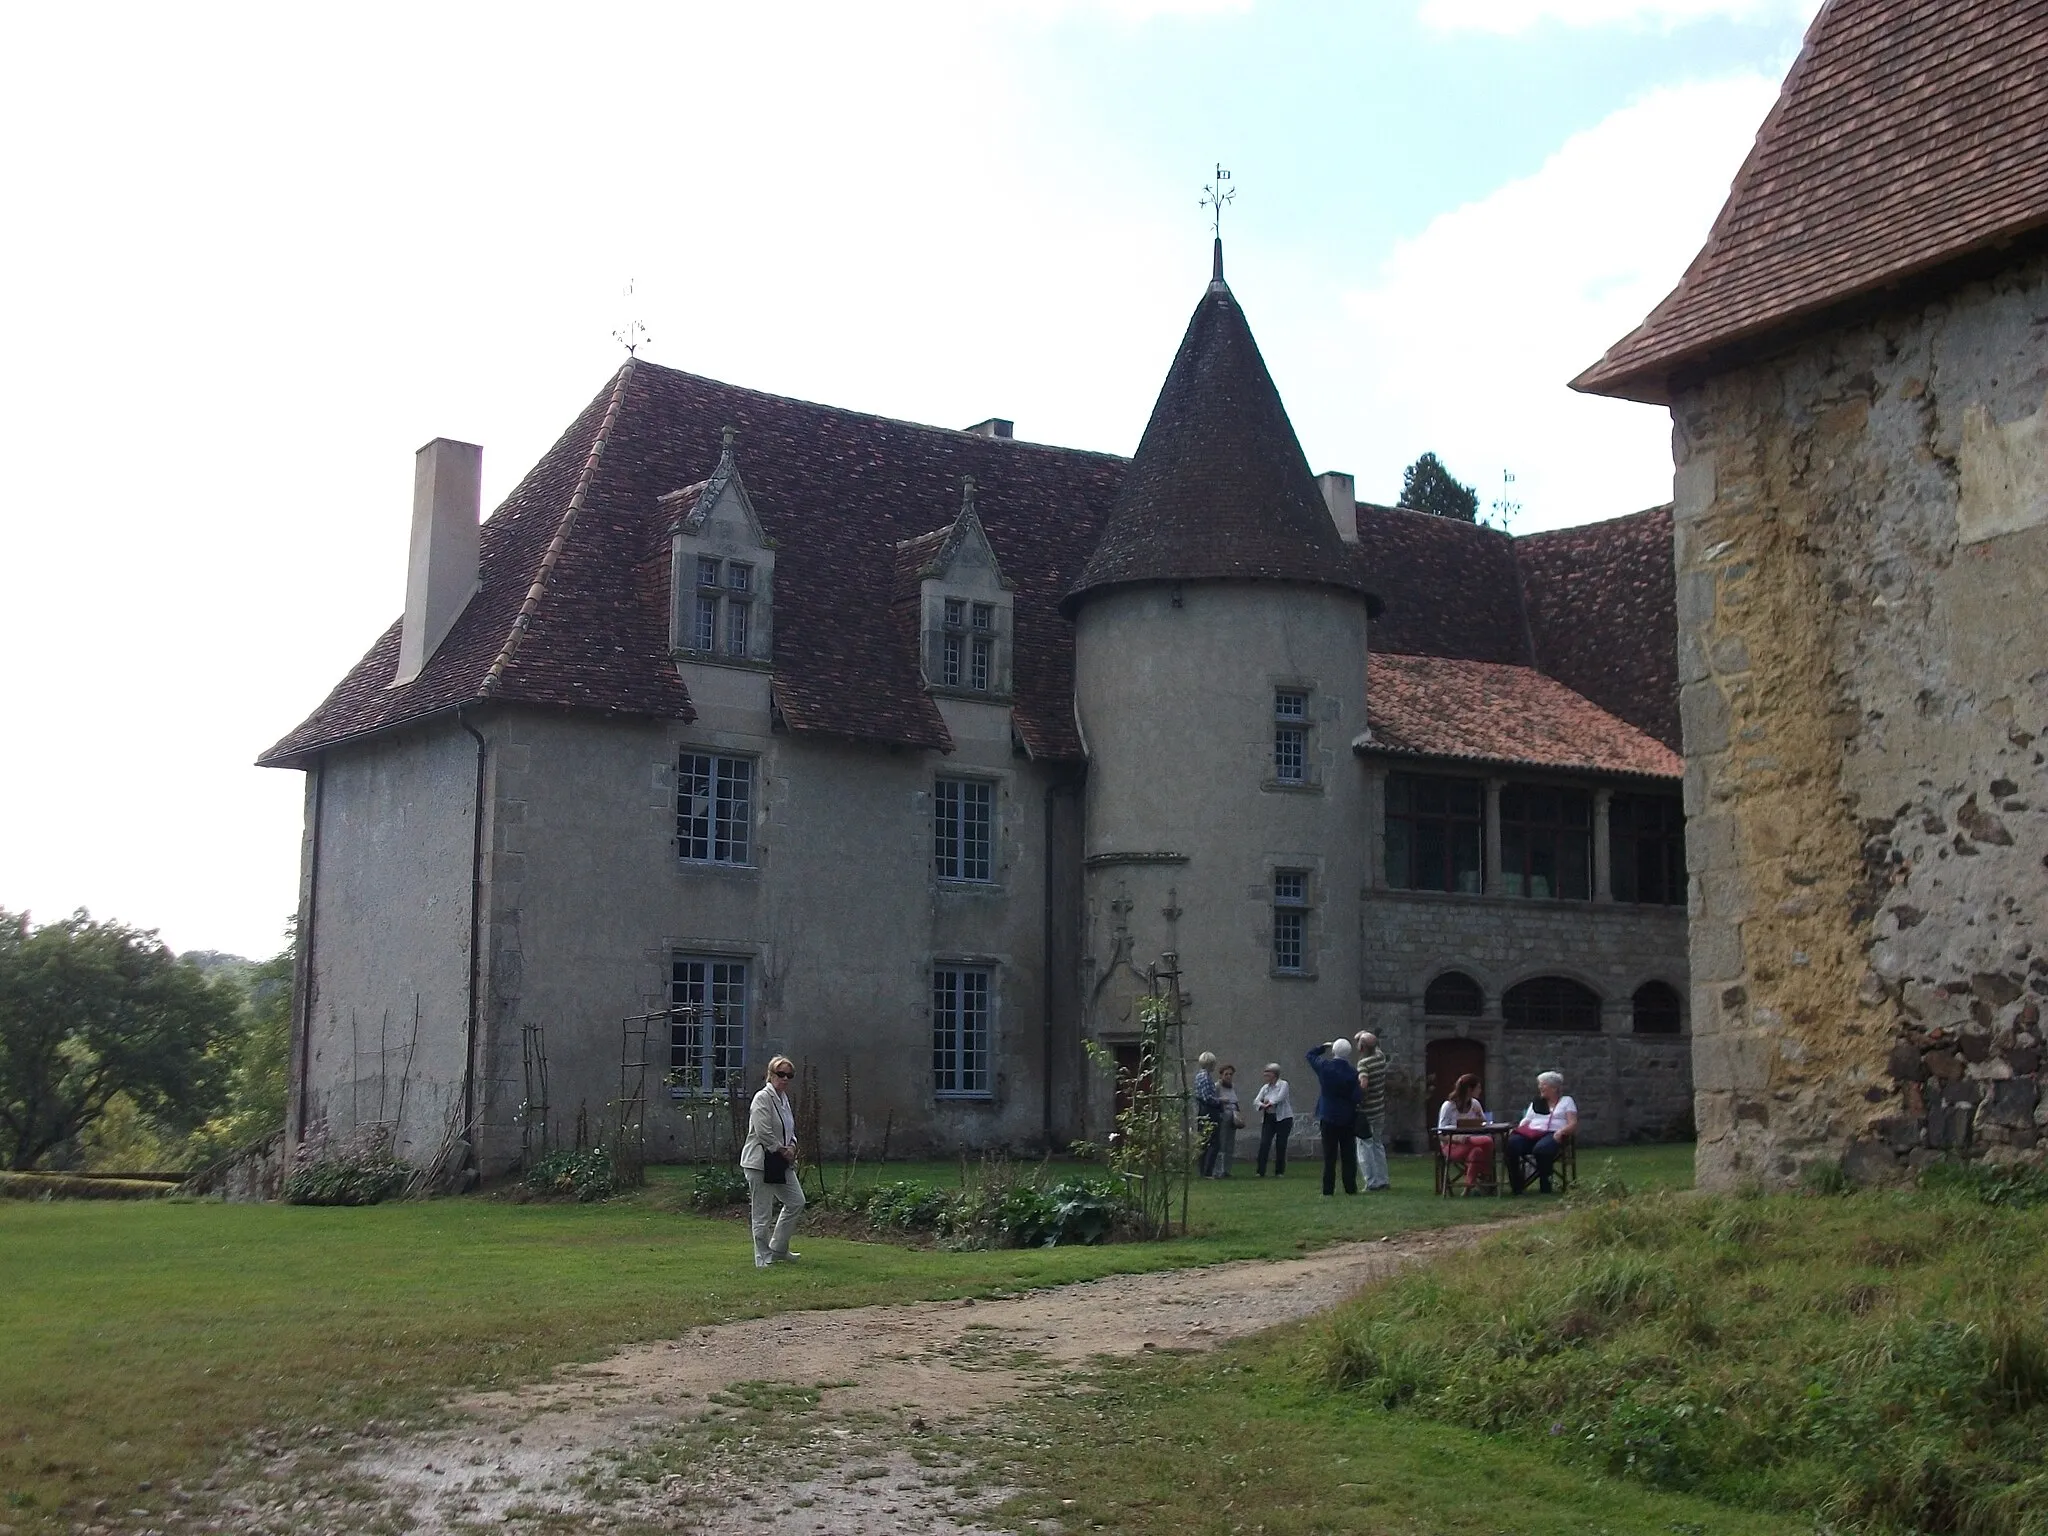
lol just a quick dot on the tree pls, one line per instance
(1426, 486)
(93, 1010)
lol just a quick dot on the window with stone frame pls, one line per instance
(1435, 833)
(1290, 921)
(708, 1024)
(1290, 736)
(962, 999)
(1646, 848)
(1546, 842)
(1453, 995)
(714, 808)
(963, 829)
(1657, 1009)
(1551, 1002)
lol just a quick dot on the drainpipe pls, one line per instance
(476, 903)
(306, 926)
(1045, 969)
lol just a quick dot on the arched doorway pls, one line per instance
(1445, 1061)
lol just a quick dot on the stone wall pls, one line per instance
(1862, 543)
(1628, 1086)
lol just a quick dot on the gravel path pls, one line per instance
(807, 1422)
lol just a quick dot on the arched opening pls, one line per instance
(1454, 995)
(1657, 1009)
(1551, 1002)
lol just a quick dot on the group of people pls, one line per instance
(1351, 1104)
(1551, 1119)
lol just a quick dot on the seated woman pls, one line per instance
(1551, 1119)
(1462, 1110)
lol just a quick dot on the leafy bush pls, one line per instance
(714, 1186)
(907, 1206)
(361, 1170)
(587, 1173)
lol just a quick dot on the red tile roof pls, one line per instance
(1484, 712)
(1449, 587)
(1908, 134)
(1219, 488)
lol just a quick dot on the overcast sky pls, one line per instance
(258, 255)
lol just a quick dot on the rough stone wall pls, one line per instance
(1862, 544)
(1628, 1086)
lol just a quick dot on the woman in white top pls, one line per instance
(1276, 1119)
(1462, 1108)
(1552, 1119)
(768, 1158)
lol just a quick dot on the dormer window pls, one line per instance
(724, 568)
(965, 606)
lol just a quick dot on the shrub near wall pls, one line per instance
(1881, 1359)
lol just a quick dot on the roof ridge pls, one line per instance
(893, 421)
(535, 592)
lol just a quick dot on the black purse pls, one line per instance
(774, 1168)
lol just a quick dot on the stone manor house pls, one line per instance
(906, 751)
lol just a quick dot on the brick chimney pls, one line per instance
(441, 576)
(1340, 495)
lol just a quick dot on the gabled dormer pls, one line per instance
(966, 607)
(721, 571)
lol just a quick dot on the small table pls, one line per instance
(1498, 1130)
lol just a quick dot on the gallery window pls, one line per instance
(708, 1030)
(714, 808)
(1657, 1009)
(1290, 921)
(725, 589)
(963, 829)
(1454, 995)
(1551, 1002)
(960, 1031)
(1435, 830)
(1646, 848)
(1546, 842)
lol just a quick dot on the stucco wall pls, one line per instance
(1174, 690)
(388, 921)
(1862, 545)
(838, 917)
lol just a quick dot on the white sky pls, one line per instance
(257, 255)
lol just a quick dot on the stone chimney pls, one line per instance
(1340, 495)
(441, 576)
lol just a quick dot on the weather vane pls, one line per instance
(632, 335)
(1214, 196)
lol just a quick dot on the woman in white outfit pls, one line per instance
(770, 1150)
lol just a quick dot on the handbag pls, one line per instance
(774, 1168)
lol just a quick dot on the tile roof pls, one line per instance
(1485, 712)
(1450, 587)
(1908, 134)
(572, 608)
(1219, 488)
(1601, 601)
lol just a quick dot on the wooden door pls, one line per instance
(1446, 1061)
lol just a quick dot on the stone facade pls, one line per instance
(1862, 543)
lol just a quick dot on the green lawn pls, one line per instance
(137, 1340)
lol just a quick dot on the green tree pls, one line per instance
(89, 1011)
(1426, 486)
(259, 1073)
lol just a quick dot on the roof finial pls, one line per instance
(1214, 196)
(966, 494)
(726, 438)
(632, 335)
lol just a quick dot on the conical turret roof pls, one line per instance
(1219, 489)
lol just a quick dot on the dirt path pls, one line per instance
(843, 1421)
